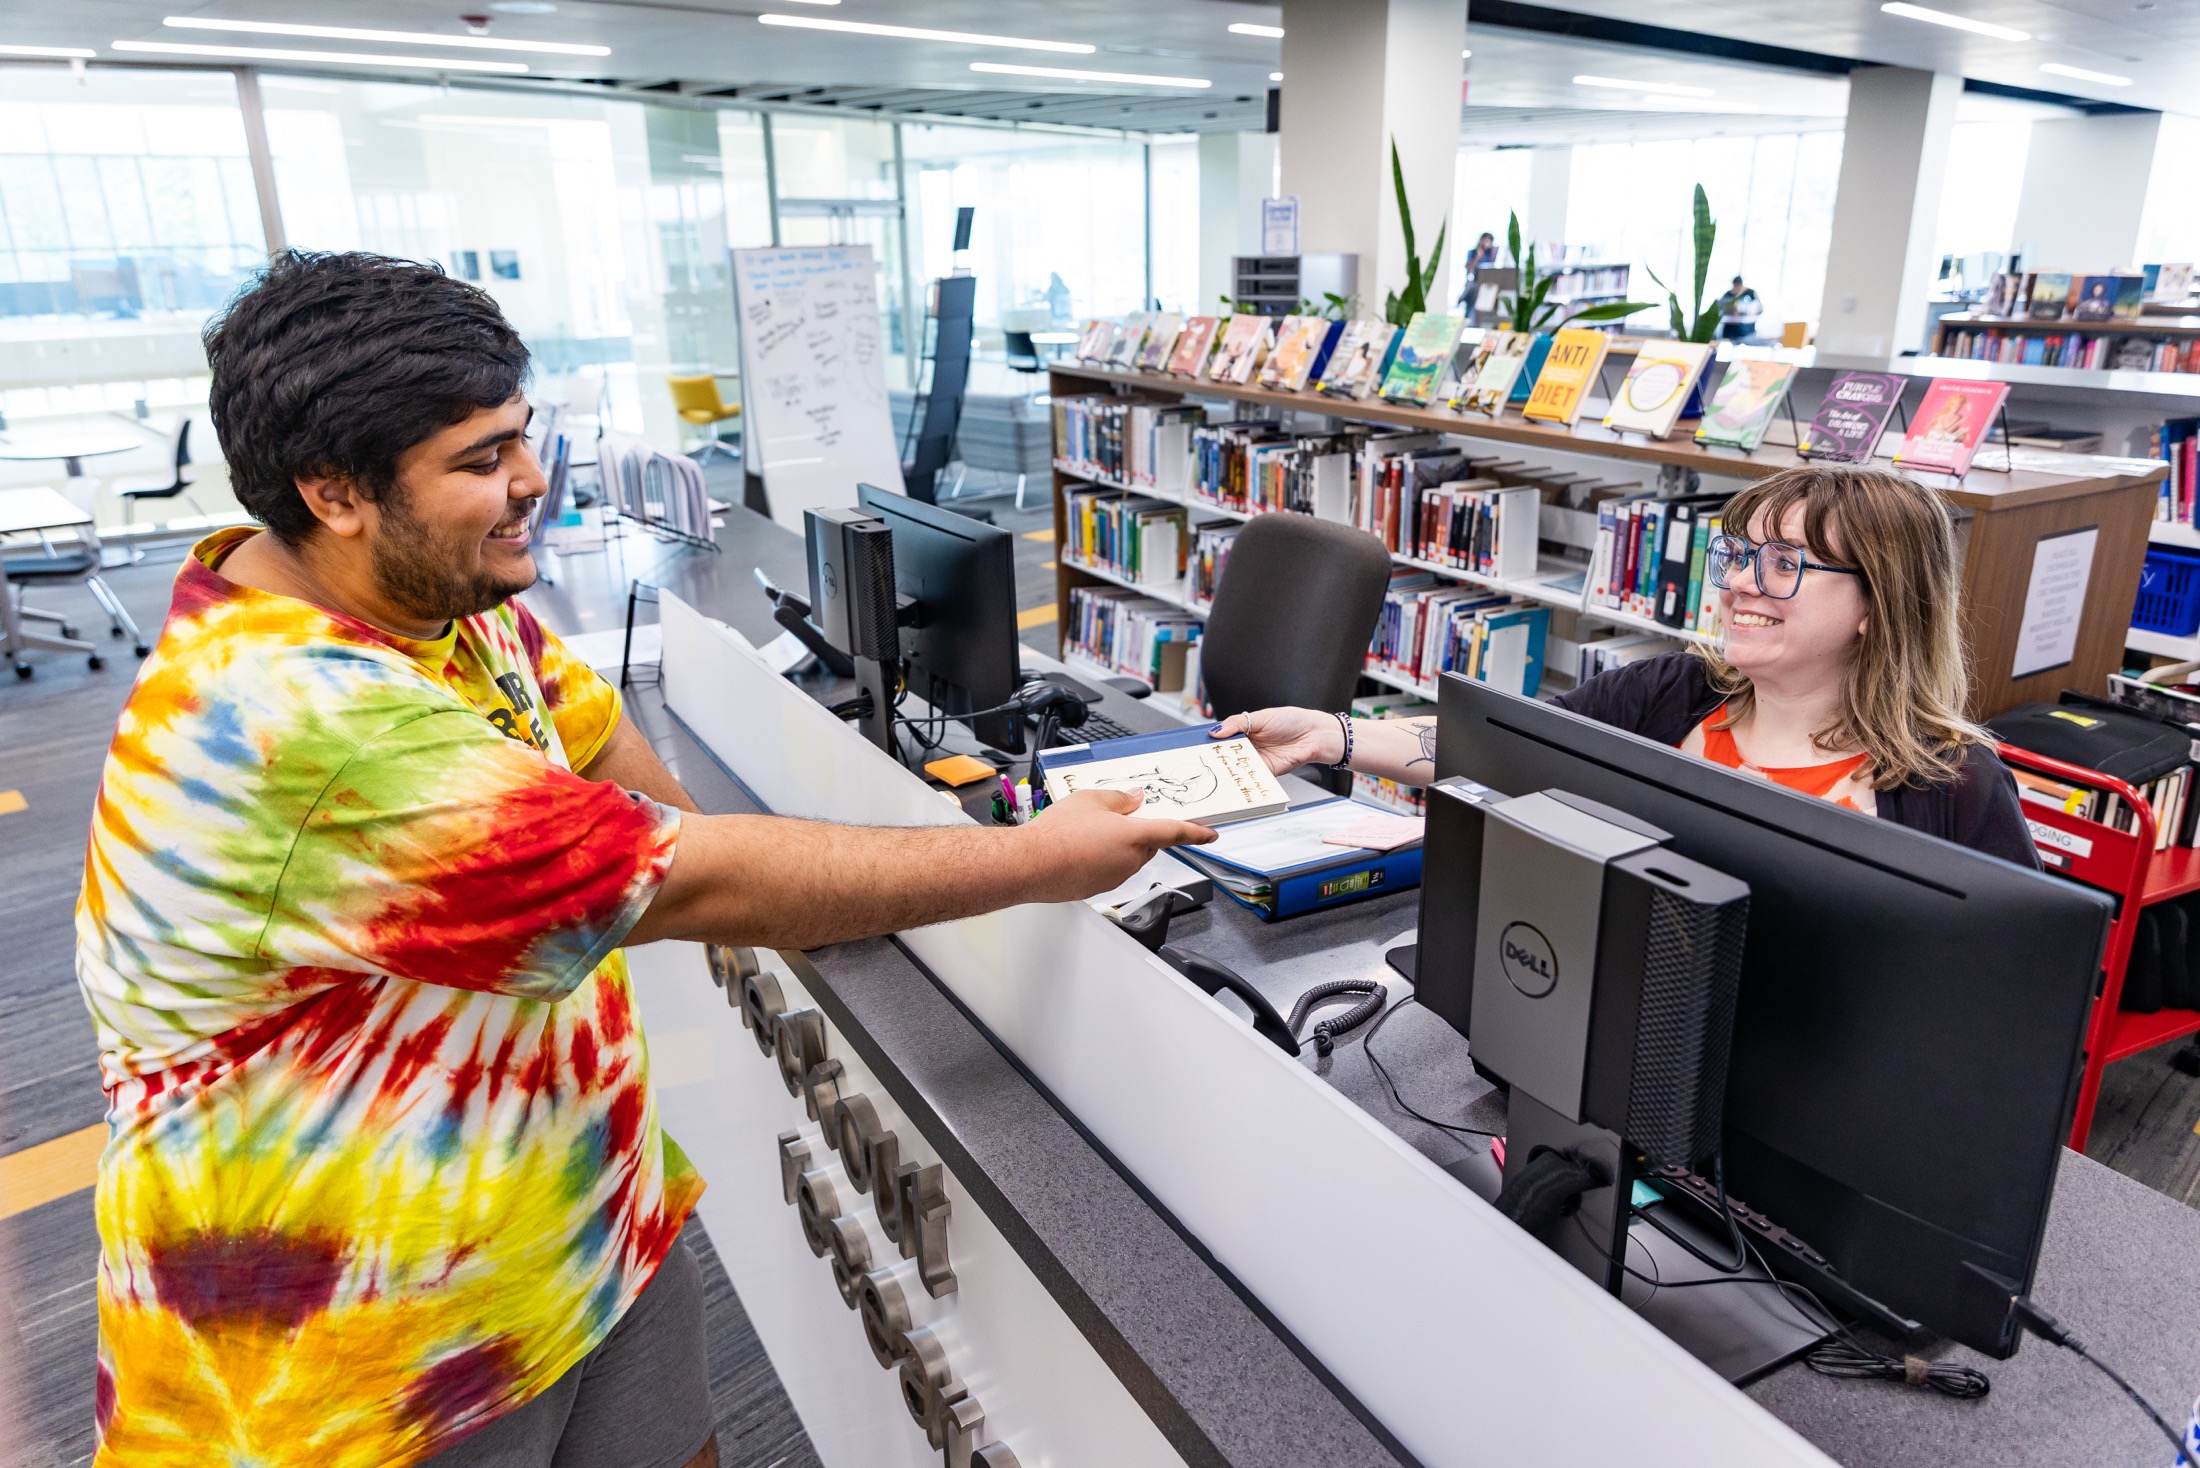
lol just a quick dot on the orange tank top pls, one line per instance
(1819, 780)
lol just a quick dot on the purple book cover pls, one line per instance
(1847, 425)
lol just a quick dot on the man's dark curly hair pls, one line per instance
(337, 364)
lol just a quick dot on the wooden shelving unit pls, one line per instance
(2004, 516)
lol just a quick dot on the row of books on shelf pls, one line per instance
(1132, 535)
(1650, 560)
(2131, 353)
(2052, 295)
(2175, 813)
(1128, 632)
(1429, 627)
(1409, 800)
(2178, 441)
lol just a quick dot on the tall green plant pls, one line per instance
(1400, 307)
(1526, 309)
(1702, 324)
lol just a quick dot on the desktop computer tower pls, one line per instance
(852, 602)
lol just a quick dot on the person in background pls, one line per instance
(1484, 252)
(384, 1179)
(1058, 301)
(1840, 673)
(1739, 309)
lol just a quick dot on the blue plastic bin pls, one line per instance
(2169, 592)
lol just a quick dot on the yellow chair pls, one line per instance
(696, 400)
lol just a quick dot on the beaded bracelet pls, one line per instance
(1344, 761)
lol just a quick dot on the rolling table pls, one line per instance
(23, 512)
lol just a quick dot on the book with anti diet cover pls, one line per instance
(1576, 354)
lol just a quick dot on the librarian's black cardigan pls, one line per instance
(1662, 698)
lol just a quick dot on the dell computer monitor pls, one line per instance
(1911, 1017)
(961, 650)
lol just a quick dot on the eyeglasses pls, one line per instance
(1780, 566)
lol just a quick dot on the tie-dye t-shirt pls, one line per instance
(384, 1160)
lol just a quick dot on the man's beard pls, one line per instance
(428, 578)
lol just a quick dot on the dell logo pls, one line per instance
(1528, 960)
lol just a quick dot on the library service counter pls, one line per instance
(1074, 1211)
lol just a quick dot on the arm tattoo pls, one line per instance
(1426, 730)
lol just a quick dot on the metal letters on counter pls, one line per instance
(911, 1209)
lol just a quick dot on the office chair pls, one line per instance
(696, 400)
(1020, 353)
(167, 486)
(1293, 615)
(62, 565)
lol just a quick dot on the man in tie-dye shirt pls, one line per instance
(384, 1178)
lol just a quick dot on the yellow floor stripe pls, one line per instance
(50, 1170)
(1048, 565)
(12, 801)
(1038, 535)
(1034, 617)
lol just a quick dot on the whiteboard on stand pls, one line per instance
(815, 420)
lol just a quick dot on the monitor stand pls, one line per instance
(876, 722)
(1740, 1330)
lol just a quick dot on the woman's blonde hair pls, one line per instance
(1903, 695)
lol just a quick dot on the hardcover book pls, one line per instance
(1657, 387)
(1568, 372)
(1098, 339)
(1160, 339)
(1741, 409)
(1849, 421)
(1298, 346)
(1130, 339)
(1507, 352)
(1539, 347)
(2050, 293)
(1243, 348)
(1950, 424)
(2093, 298)
(1193, 344)
(1357, 363)
(1423, 356)
(1182, 774)
(2131, 297)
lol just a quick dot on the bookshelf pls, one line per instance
(2170, 345)
(2002, 518)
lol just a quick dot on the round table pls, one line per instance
(71, 446)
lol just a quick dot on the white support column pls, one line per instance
(1881, 266)
(2085, 191)
(262, 159)
(1236, 172)
(1550, 184)
(1356, 75)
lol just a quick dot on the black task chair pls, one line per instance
(161, 486)
(1020, 353)
(1293, 615)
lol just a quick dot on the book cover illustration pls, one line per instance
(2131, 297)
(2172, 283)
(2050, 293)
(1741, 409)
(1493, 381)
(1160, 339)
(1424, 352)
(1193, 344)
(1539, 347)
(1657, 387)
(2093, 298)
(1951, 424)
(1097, 340)
(1298, 342)
(1576, 353)
(1130, 339)
(1357, 363)
(1243, 348)
(1847, 426)
(1212, 782)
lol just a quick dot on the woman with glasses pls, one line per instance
(1840, 673)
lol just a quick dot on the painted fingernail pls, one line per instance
(1217, 729)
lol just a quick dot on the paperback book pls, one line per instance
(1847, 426)
(1301, 344)
(1657, 387)
(2050, 294)
(1742, 408)
(1160, 339)
(1130, 339)
(1424, 355)
(1193, 345)
(1356, 365)
(1576, 354)
(1182, 775)
(1539, 347)
(1504, 354)
(2093, 298)
(1243, 348)
(1950, 425)
(1096, 342)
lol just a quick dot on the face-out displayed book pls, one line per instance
(1741, 408)
(1161, 335)
(1193, 346)
(1848, 423)
(1539, 347)
(1357, 363)
(1568, 372)
(1506, 352)
(2171, 282)
(1950, 425)
(1423, 356)
(1182, 774)
(1657, 387)
(2093, 298)
(1244, 346)
(1096, 341)
(1302, 344)
(1130, 339)
(2050, 293)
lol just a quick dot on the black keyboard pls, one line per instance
(1097, 726)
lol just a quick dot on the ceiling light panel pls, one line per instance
(1245, 28)
(1955, 22)
(1069, 73)
(340, 58)
(73, 53)
(387, 38)
(1649, 89)
(2106, 79)
(920, 33)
